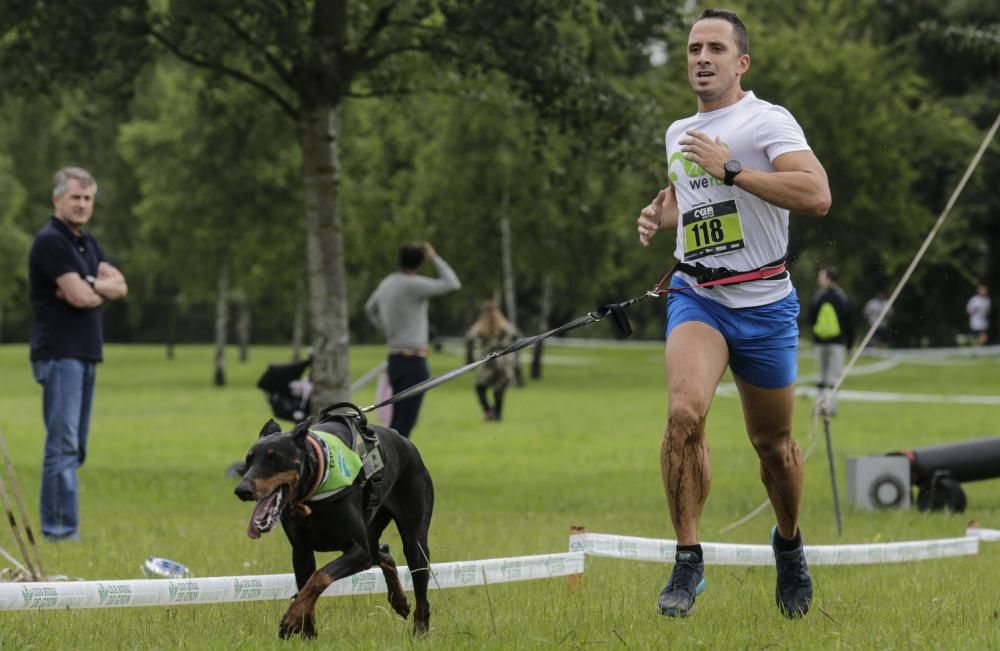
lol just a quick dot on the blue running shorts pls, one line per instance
(763, 341)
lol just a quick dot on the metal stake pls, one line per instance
(833, 472)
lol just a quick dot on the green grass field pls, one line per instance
(579, 447)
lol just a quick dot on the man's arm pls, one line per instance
(798, 182)
(848, 322)
(110, 282)
(446, 281)
(77, 292)
(371, 309)
(814, 306)
(662, 212)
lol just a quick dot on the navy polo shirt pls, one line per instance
(60, 330)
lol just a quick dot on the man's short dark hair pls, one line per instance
(739, 29)
(411, 256)
(831, 273)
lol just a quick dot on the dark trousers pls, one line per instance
(494, 412)
(404, 372)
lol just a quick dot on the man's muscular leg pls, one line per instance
(768, 414)
(768, 417)
(696, 356)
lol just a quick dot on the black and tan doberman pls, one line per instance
(328, 499)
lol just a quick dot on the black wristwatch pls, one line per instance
(732, 168)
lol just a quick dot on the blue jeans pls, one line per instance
(67, 397)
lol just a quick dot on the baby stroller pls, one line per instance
(287, 391)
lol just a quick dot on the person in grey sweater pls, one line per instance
(398, 307)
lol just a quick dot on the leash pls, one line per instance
(707, 277)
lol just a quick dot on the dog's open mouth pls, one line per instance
(266, 513)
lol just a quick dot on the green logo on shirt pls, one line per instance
(694, 172)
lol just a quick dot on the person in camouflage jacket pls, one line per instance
(490, 333)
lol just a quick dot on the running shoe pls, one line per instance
(687, 581)
(794, 591)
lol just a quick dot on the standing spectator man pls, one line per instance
(398, 307)
(737, 167)
(978, 309)
(833, 333)
(872, 310)
(69, 280)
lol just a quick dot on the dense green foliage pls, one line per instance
(557, 114)
(579, 449)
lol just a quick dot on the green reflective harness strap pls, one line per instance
(342, 465)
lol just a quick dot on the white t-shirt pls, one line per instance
(978, 308)
(723, 226)
(873, 308)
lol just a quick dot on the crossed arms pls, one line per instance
(109, 285)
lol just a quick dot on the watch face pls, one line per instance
(733, 166)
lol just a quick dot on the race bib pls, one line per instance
(712, 229)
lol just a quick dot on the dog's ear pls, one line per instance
(301, 429)
(270, 427)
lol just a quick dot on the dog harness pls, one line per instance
(339, 465)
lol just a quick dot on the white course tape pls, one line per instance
(662, 551)
(987, 535)
(152, 592)
(728, 389)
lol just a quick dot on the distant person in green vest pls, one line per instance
(833, 333)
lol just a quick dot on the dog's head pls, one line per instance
(275, 464)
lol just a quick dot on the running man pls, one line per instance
(737, 168)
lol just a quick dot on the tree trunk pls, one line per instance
(171, 334)
(507, 263)
(298, 319)
(221, 322)
(506, 254)
(543, 325)
(243, 321)
(320, 139)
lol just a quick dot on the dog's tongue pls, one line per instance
(260, 513)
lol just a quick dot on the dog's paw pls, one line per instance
(399, 604)
(421, 619)
(309, 627)
(292, 624)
